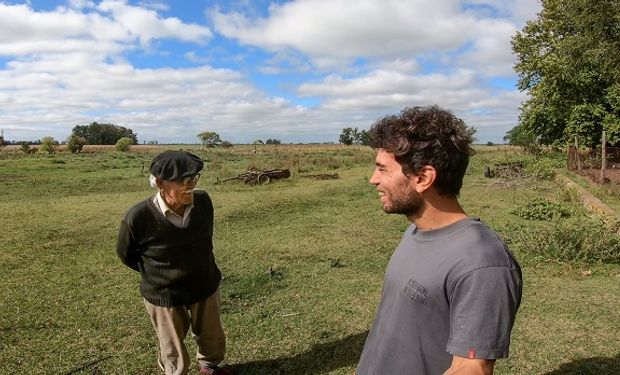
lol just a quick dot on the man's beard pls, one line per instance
(405, 202)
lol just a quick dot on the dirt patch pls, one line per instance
(612, 175)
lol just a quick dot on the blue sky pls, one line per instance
(298, 71)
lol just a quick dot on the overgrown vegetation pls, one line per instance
(543, 209)
(573, 240)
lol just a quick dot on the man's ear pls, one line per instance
(425, 178)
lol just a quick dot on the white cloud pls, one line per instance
(328, 29)
(28, 32)
(146, 24)
(367, 58)
(388, 91)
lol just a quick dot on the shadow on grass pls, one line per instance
(590, 366)
(320, 359)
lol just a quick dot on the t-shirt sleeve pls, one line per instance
(483, 305)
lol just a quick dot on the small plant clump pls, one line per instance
(542, 209)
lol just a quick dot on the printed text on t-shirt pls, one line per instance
(415, 291)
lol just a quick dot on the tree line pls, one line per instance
(353, 136)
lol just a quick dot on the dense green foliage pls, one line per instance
(568, 63)
(103, 134)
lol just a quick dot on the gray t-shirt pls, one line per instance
(449, 291)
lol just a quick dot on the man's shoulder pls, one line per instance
(202, 197)
(480, 246)
(138, 210)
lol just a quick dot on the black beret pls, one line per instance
(175, 165)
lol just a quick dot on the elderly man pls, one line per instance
(452, 288)
(168, 238)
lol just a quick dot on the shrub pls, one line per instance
(75, 143)
(544, 167)
(48, 145)
(124, 144)
(24, 147)
(542, 209)
(578, 239)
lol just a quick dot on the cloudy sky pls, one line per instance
(298, 71)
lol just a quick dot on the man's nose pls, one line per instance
(374, 179)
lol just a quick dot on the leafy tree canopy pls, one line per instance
(210, 139)
(353, 136)
(103, 134)
(567, 60)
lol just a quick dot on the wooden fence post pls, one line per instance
(578, 156)
(603, 156)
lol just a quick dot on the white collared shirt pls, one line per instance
(171, 216)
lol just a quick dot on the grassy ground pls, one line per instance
(67, 305)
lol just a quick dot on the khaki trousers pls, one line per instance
(172, 324)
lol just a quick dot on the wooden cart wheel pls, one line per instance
(263, 179)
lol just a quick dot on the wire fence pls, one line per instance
(600, 164)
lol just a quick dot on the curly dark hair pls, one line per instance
(422, 136)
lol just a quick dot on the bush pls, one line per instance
(544, 167)
(75, 143)
(578, 239)
(226, 144)
(24, 147)
(124, 144)
(48, 145)
(542, 209)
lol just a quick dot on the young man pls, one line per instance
(452, 288)
(168, 238)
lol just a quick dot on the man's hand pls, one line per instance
(466, 366)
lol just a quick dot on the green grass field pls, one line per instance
(302, 259)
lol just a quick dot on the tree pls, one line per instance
(75, 143)
(48, 145)
(522, 137)
(346, 137)
(124, 144)
(567, 60)
(103, 134)
(209, 139)
(273, 141)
